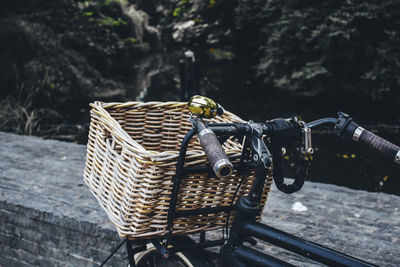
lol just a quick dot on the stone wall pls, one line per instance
(32, 237)
(48, 217)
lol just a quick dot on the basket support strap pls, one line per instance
(176, 183)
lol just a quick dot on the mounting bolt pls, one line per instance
(256, 157)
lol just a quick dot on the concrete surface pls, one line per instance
(49, 217)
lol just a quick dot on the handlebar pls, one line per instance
(345, 126)
(378, 144)
(283, 132)
(216, 155)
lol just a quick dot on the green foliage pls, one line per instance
(130, 41)
(211, 3)
(177, 11)
(136, 45)
(180, 8)
(109, 21)
(109, 2)
(220, 54)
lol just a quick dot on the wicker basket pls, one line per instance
(131, 156)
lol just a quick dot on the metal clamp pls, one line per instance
(307, 149)
(397, 157)
(204, 131)
(357, 133)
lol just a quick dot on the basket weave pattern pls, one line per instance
(131, 157)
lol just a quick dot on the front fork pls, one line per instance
(248, 207)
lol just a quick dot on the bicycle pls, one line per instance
(262, 149)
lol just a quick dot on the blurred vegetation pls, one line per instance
(327, 55)
(310, 47)
(308, 56)
(57, 57)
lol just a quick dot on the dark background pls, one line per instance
(259, 59)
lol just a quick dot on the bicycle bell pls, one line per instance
(204, 107)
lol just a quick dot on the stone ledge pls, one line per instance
(49, 217)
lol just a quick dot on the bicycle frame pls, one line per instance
(244, 226)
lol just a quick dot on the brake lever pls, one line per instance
(261, 159)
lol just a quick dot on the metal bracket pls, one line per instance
(260, 152)
(307, 148)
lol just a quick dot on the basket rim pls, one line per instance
(106, 105)
(112, 126)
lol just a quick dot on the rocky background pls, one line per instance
(260, 59)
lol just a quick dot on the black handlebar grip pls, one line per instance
(377, 143)
(216, 155)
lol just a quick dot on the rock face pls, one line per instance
(49, 217)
